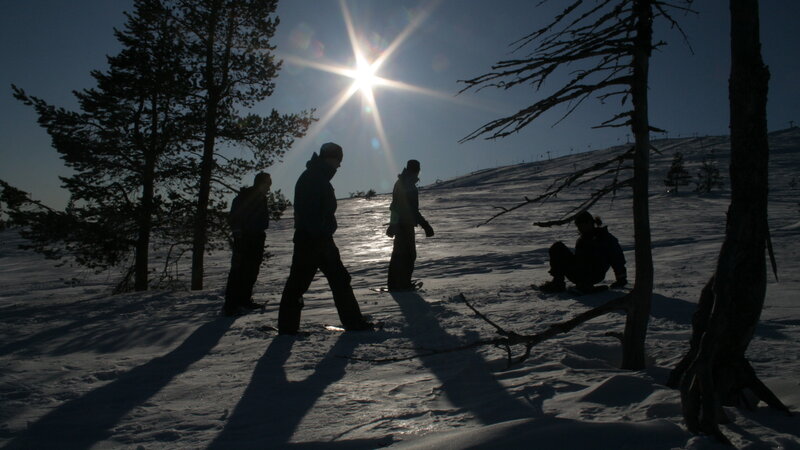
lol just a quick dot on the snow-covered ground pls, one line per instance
(80, 368)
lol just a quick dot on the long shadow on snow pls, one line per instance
(272, 407)
(673, 309)
(80, 423)
(104, 326)
(47, 336)
(453, 266)
(465, 377)
(681, 311)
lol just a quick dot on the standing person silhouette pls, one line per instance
(249, 220)
(314, 249)
(405, 216)
(595, 251)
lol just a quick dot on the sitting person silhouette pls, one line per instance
(595, 251)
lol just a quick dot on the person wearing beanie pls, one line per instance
(595, 251)
(405, 216)
(314, 248)
(248, 219)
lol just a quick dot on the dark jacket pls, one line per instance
(600, 250)
(405, 202)
(249, 212)
(315, 200)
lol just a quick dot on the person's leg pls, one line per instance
(412, 254)
(585, 275)
(561, 260)
(393, 279)
(253, 257)
(401, 266)
(304, 267)
(339, 281)
(233, 287)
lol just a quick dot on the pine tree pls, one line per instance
(116, 145)
(677, 175)
(708, 176)
(233, 68)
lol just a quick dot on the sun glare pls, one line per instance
(364, 77)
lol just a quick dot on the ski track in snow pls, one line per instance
(161, 369)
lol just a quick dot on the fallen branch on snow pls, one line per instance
(507, 338)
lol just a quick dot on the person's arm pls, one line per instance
(618, 263)
(424, 224)
(394, 214)
(308, 208)
(235, 216)
(264, 213)
(414, 205)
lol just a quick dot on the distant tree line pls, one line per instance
(157, 144)
(708, 175)
(369, 195)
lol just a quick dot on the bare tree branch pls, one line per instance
(562, 183)
(586, 204)
(512, 338)
(661, 7)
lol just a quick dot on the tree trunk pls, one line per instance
(147, 205)
(201, 217)
(145, 225)
(207, 162)
(633, 348)
(715, 371)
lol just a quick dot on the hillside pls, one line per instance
(162, 369)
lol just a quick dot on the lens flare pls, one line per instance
(365, 78)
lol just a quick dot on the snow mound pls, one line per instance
(556, 433)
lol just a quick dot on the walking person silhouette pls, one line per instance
(314, 248)
(405, 216)
(249, 220)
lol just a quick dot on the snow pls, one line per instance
(82, 368)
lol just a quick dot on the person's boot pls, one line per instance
(232, 311)
(553, 286)
(406, 288)
(361, 326)
(590, 288)
(253, 305)
(289, 315)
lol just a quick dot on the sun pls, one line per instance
(364, 77)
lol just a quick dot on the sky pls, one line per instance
(49, 47)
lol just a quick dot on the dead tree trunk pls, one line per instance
(715, 371)
(633, 347)
(613, 40)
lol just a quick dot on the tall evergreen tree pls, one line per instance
(677, 175)
(233, 68)
(116, 145)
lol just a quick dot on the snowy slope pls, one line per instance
(80, 368)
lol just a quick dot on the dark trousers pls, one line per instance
(404, 254)
(564, 263)
(248, 253)
(309, 256)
